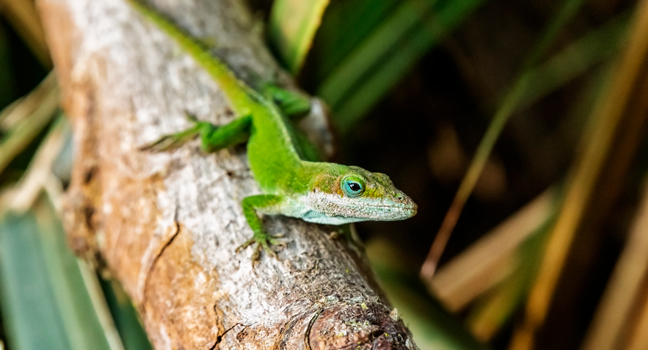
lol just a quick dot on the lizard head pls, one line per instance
(346, 194)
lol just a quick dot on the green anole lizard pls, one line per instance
(284, 165)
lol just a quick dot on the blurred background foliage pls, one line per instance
(517, 126)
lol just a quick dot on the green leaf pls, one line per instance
(126, 318)
(28, 300)
(387, 54)
(45, 300)
(79, 298)
(345, 26)
(293, 24)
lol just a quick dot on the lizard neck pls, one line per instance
(271, 152)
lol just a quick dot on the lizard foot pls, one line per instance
(264, 241)
(174, 141)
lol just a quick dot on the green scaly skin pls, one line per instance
(282, 162)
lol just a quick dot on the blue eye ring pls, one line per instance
(353, 186)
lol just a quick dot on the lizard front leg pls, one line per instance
(265, 203)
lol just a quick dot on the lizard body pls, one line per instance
(292, 181)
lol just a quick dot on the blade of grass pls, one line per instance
(624, 291)
(485, 147)
(498, 256)
(26, 294)
(619, 118)
(21, 196)
(24, 18)
(292, 26)
(126, 319)
(21, 108)
(491, 259)
(376, 46)
(78, 305)
(405, 54)
(98, 300)
(388, 54)
(84, 315)
(344, 27)
(492, 311)
(566, 65)
(494, 308)
(27, 117)
(432, 326)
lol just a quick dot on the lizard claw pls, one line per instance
(165, 143)
(174, 141)
(245, 245)
(265, 242)
(277, 242)
(190, 117)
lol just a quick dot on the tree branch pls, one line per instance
(166, 225)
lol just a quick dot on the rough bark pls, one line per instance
(166, 225)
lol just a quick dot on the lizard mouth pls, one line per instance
(402, 211)
(404, 206)
(410, 209)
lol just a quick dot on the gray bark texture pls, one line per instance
(166, 224)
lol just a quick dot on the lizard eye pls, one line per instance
(353, 186)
